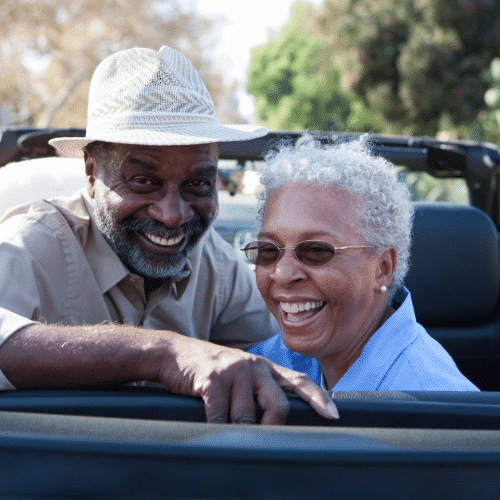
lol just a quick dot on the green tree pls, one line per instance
(295, 83)
(414, 62)
(487, 124)
(392, 66)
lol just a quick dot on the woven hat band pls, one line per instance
(151, 102)
(152, 120)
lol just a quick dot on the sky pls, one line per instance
(244, 25)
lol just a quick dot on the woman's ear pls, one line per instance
(90, 173)
(387, 265)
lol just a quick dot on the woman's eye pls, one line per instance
(267, 248)
(318, 249)
(316, 252)
(268, 251)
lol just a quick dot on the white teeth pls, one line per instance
(300, 307)
(167, 242)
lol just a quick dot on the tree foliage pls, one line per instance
(293, 81)
(50, 48)
(488, 122)
(406, 66)
(413, 61)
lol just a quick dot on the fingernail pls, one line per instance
(332, 409)
(330, 405)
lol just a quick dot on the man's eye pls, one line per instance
(143, 184)
(143, 180)
(200, 185)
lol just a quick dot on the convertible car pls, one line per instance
(144, 443)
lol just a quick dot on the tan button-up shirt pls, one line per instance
(55, 267)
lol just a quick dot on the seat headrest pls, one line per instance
(454, 275)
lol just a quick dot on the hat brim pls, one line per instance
(173, 135)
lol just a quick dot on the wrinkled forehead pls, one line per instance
(306, 206)
(307, 196)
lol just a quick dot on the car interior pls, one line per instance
(119, 443)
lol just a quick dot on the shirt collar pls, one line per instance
(180, 281)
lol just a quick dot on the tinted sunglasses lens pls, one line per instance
(315, 253)
(262, 253)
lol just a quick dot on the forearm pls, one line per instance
(43, 356)
(48, 356)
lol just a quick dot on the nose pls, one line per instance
(171, 209)
(288, 269)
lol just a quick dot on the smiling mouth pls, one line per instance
(165, 242)
(300, 311)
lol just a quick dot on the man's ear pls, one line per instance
(387, 265)
(90, 173)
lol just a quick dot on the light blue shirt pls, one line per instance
(400, 356)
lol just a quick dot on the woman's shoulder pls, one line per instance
(425, 365)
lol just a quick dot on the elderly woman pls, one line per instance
(330, 261)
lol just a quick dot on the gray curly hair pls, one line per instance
(385, 210)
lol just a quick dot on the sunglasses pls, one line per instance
(311, 252)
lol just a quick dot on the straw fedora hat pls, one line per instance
(141, 96)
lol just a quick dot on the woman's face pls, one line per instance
(340, 303)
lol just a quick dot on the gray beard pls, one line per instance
(134, 257)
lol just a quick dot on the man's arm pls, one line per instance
(48, 356)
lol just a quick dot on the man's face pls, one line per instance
(153, 203)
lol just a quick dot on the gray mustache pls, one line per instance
(187, 229)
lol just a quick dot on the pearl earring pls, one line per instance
(383, 289)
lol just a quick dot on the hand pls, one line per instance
(228, 380)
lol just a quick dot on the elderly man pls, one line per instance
(127, 281)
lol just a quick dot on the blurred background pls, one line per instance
(412, 67)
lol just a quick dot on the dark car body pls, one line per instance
(142, 443)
